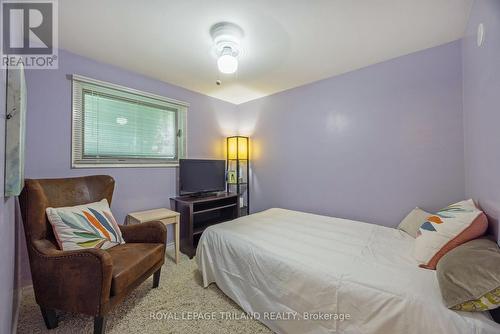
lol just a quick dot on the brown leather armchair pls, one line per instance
(90, 281)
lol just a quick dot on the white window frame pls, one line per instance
(78, 160)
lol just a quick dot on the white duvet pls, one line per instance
(281, 266)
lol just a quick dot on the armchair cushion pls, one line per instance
(131, 262)
(85, 226)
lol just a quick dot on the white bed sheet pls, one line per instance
(282, 263)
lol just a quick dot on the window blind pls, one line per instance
(117, 126)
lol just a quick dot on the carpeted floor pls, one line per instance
(177, 299)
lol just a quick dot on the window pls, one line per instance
(115, 126)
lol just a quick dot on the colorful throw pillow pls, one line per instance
(488, 301)
(85, 226)
(469, 276)
(411, 224)
(447, 229)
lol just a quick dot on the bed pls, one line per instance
(335, 275)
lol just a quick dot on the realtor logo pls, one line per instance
(29, 34)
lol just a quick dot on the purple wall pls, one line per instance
(368, 145)
(481, 104)
(7, 229)
(48, 140)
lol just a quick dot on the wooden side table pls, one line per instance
(166, 216)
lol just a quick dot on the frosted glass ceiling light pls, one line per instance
(227, 62)
(227, 37)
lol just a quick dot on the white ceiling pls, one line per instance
(287, 43)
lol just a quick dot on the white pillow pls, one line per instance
(85, 226)
(411, 224)
(448, 228)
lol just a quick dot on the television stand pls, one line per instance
(201, 195)
(198, 213)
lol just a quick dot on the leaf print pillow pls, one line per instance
(85, 226)
(448, 228)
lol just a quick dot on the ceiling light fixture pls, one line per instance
(227, 62)
(227, 37)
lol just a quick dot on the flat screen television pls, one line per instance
(197, 176)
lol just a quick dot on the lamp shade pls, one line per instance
(237, 147)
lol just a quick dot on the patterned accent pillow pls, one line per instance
(85, 226)
(447, 229)
(489, 301)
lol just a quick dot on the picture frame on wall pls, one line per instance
(15, 131)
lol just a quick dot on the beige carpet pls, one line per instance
(180, 291)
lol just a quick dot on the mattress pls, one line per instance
(303, 273)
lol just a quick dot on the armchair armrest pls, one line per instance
(150, 232)
(77, 281)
